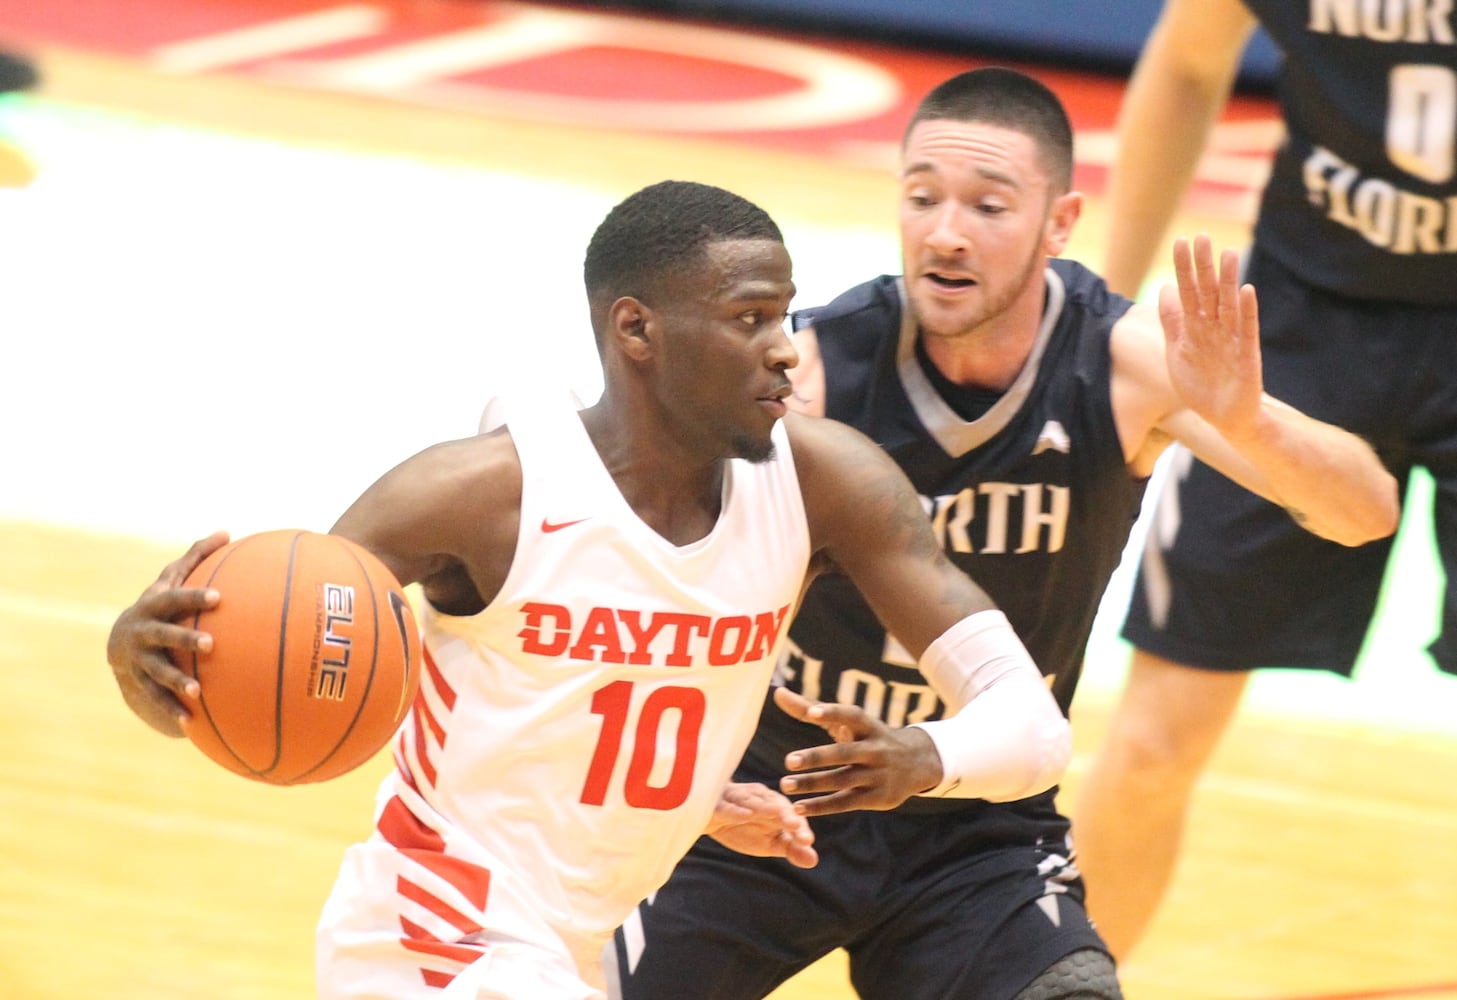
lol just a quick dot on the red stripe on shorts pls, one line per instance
(422, 845)
(439, 980)
(416, 893)
(404, 830)
(421, 941)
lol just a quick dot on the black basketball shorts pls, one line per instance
(1228, 581)
(929, 907)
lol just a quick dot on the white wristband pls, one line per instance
(1004, 737)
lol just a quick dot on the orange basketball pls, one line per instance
(315, 658)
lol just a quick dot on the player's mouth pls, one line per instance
(949, 281)
(774, 401)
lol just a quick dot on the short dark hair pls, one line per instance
(660, 232)
(1009, 99)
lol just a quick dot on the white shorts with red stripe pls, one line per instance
(408, 920)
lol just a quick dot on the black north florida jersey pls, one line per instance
(1362, 198)
(1033, 499)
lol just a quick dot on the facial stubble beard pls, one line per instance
(752, 450)
(995, 307)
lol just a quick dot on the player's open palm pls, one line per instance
(756, 820)
(1212, 338)
(138, 645)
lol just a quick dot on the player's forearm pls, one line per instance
(1329, 480)
(1004, 737)
(1164, 123)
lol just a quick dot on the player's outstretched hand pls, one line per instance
(755, 820)
(869, 766)
(1212, 336)
(142, 634)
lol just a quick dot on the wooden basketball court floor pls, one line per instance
(183, 351)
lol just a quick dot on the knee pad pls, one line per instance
(1082, 975)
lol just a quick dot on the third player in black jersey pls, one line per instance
(1355, 257)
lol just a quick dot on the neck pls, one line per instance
(676, 492)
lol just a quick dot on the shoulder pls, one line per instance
(437, 500)
(830, 458)
(808, 375)
(876, 294)
(1087, 290)
(446, 517)
(866, 520)
(841, 471)
(1141, 393)
(826, 441)
(484, 466)
(851, 328)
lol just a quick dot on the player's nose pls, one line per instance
(782, 353)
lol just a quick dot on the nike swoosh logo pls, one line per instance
(405, 622)
(548, 527)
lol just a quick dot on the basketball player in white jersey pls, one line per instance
(608, 593)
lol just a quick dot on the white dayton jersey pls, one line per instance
(569, 743)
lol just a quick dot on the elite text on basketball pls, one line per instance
(332, 641)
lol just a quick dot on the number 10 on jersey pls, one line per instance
(615, 704)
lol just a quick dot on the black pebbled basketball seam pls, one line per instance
(197, 665)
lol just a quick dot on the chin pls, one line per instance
(755, 450)
(950, 326)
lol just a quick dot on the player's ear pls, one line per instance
(629, 321)
(1064, 213)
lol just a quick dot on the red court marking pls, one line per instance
(606, 69)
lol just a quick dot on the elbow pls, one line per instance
(1057, 752)
(1377, 517)
(1387, 514)
(1049, 748)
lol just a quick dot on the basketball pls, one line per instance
(315, 657)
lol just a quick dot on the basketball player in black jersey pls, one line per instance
(16, 73)
(1027, 404)
(1355, 257)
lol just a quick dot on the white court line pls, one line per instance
(67, 612)
(472, 49)
(271, 38)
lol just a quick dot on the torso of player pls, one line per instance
(1033, 499)
(1362, 198)
(578, 731)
